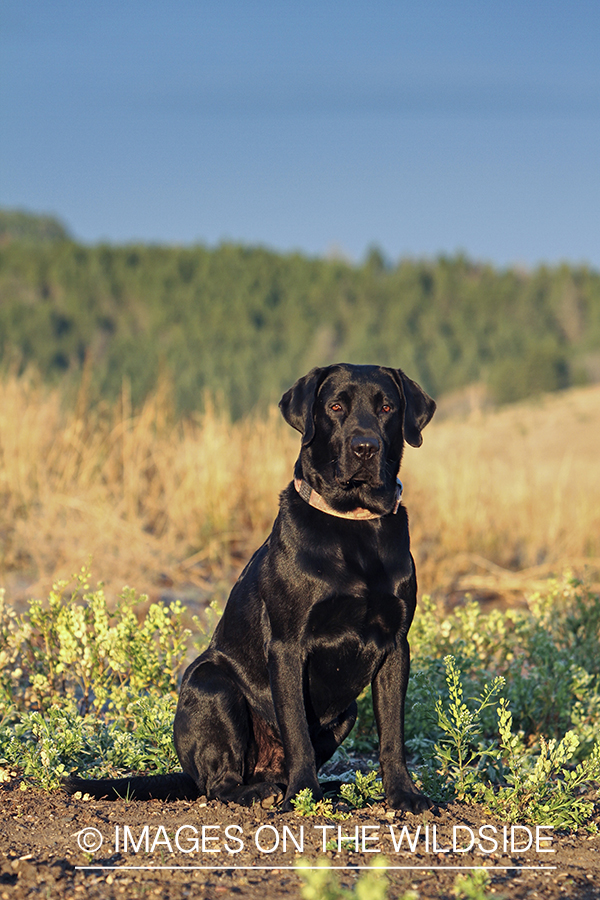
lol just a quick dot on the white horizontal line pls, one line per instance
(304, 868)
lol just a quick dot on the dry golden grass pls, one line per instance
(517, 489)
(154, 501)
(149, 499)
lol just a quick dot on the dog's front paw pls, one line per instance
(266, 793)
(410, 801)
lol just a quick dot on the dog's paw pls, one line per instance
(265, 793)
(410, 801)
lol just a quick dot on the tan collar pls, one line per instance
(314, 499)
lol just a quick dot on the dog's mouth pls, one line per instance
(359, 479)
(363, 487)
(358, 482)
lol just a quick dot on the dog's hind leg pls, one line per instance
(214, 737)
(211, 728)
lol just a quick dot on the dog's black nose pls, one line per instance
(364, 446)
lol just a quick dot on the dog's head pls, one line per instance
(354, 421)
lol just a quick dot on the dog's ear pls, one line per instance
(297, 404)
(419, 408)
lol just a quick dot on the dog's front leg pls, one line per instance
(286, 665)
(389, 692)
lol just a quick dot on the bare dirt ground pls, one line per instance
(54, 845)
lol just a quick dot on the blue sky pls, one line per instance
(421, 127)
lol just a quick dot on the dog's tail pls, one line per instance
(174, 786)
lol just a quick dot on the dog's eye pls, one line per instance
(386, 408)
(336, 407)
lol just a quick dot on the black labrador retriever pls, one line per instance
(321, 610)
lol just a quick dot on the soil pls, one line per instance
(251, 853)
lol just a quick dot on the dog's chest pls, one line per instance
(353, 623)
(348, 638)
(358, 592)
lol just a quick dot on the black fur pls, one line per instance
(322, 609)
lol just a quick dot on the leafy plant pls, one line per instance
(88, 688)
(472, 886)
(518, 786)
(461, 752)
(204, 627)
(547, 790)
(322, 883)
(305, 805)
(74, 650)
(365, 790)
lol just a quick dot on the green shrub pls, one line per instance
(322, 883)
(472, 885)
(83, 687)
(502, 709)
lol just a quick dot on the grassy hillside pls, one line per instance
(244, 323)
(17, 225)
